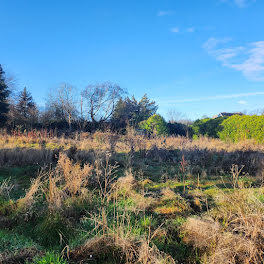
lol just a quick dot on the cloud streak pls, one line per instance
(164, 13)
(175, 30)
(248, 59)
(210, 98)
(240, 3)
(190, 29)
(182, 30)
(242, 102)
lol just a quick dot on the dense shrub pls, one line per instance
(208, 127)
(53, 230)
(178, 129)
(237, 128)
(155, 125)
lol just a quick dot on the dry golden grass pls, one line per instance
(168, 194)
(117, 237)
(203, 156)
(66, 180)
(30, 198)
(54, 193)
(232, 232)
(236, 235)
(127, 187)
(131, 251)
(201, 233)
(125, 143)
(171, 203)
(76, 177)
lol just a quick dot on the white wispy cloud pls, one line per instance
(211, 43)
(165, 13)
(183, 30)
(209, 98)
(190, 29)
(240, 3)
(243, 3)
(248, 59)
(242, 102)
(175, 30)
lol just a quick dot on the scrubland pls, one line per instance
(110, 198)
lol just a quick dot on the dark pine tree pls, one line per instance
(4, 93)
(130, 111)
(25, 107)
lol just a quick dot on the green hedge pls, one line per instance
(235, 128)
(208, 127)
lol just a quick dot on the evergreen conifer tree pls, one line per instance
(4, 93)
(26, 108)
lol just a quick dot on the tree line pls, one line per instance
(107, 106)
(97, 106)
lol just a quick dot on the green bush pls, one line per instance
(50, 258)
(53, 230)
(155, 125)
(234, 128)
(237, 128)
(208, 127)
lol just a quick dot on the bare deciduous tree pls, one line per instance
(63, 103)
(67, 102)
(175, 116)
(101, 100)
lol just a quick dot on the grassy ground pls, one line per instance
(152, 203)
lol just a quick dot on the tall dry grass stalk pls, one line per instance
(127, 187)
(116, 234)
(66, 180)
(32, 194)
(203, 154)
(53, 191)
(235, 173)
(111, 141)
(5, 188)
(105, 174)
(75, 176)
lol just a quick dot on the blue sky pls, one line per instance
(199, 57)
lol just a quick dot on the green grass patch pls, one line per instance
(20, 177)
(10, 242)
(49, 258)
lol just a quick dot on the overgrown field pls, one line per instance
(109, 198)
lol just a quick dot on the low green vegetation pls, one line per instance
(12, 242)
(49, 258)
